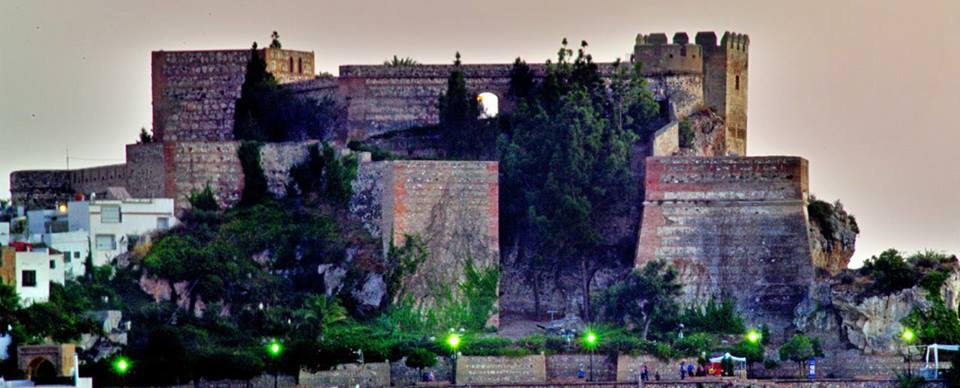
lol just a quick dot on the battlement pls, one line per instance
(660, 58)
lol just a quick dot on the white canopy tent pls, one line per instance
(933, 373)
(728, 355)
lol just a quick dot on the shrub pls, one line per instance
(421, 358)
(890, 271)
(686, 133)
(694, 344)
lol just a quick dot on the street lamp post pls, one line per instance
(908, 336)
(274, 349)
(590, 340)
(453, 341)
(121, 365)
(753, 337)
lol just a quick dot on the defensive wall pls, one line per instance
(733, 228)
(452, 205)
(195, 92)
(163, 170)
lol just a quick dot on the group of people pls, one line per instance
(686, 370)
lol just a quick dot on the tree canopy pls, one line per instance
(565, 157)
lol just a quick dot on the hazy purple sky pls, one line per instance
(865, 90)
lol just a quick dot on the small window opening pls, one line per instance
(738, 83)
(300, 65)
(489, 105)
(291, 64)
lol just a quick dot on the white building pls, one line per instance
(31, 273)
(114, 223)
(75, 246)
(4, 234)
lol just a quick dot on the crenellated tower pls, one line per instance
(725, 83)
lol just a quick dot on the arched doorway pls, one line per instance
(41, 370)
(489, 105)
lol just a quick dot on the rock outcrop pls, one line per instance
(833, 235)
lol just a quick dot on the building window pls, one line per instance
(66, 257)
(106, 242)
(76, 255)
(110, 214)
(489, 105)
(300, 65)
(29, 278)
(53, 264)
(291, 64)
(738, 82)
(163, 223)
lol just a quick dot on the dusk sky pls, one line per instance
(867, 91)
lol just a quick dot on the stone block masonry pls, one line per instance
(195, 92)
(733, 228)
(452, 205)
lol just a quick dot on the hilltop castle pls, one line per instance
(734, 226)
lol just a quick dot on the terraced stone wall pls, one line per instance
(733, 228)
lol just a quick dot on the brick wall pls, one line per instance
(733, 228)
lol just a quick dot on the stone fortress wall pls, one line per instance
(195, 92)
(733, 227)
(194, 95)
(452, 205)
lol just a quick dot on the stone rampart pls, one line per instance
(97, 179)
(452, 205)
(145, 170)
(501, 370)
(40, 188)
(195, 92)
(733, 228)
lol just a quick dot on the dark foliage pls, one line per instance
(268, 112)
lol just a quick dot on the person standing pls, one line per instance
(645, 374)
(683, 370)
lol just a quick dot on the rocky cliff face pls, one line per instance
(833, 235)
(844, 317)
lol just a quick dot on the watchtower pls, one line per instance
(725, 83)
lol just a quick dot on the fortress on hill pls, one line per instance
(734, 226)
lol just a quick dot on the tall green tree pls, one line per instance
(463, 132)
(799, 349)
(645, 298)
(565, 158)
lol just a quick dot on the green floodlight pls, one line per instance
(590, 339)
(121, 365)
(753, 337)
(453, 341)
(274, 348)
(908, 335)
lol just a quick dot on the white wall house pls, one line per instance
(114, 222)
(4, 234)
(75, 246)
(34, 271)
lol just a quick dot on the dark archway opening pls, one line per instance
(43, 371)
